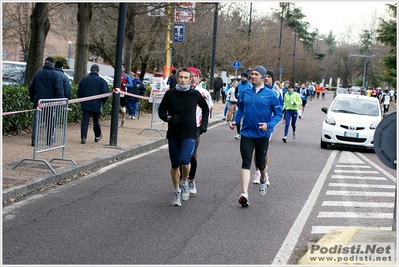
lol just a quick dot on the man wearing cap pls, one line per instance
(65, 81)
(261, 111)
(46, 84)
(92, 84)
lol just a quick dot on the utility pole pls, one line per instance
(215, 34)
(279, 43)
(364, 66)
(167, 46)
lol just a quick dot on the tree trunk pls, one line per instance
(129, 36)
(40, 25)
(82, 41)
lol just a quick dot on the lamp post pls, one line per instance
(69, 50)
(364, 65)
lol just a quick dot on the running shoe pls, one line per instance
(256, 179)
(262, 188)
(192, 188)
(123, 122)
(176, 199)
(294, 135)
(243, 200)
(285, 139)
(238, 136)
(96, 139)
(185, 193)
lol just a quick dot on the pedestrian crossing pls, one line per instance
(357, 195)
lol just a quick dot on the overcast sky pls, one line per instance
(337, 16)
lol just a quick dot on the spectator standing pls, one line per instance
(65, 81)
(138, 88)
(92, 85)
(217, 85)
(255, 107)
(126, 82)
(46, 84)
(178, 109)
(172, 81)
(292, 101)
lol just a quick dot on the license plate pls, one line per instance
(351, 134)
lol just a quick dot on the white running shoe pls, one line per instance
(238, 136)
(256, 179)
(192, 188)
(243, 200)
(176, 198)
(262, 188)
(185, 193)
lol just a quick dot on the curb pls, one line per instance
(74, 171)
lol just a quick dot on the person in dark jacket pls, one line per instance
(133, 102)
(46, 84)
(172, 80)
(178, 107)
(91, 85)
(65, 81)
(217, 85)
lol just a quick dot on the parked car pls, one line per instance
(13, 72)
(351, 121)
(341, 91)
(356, 90)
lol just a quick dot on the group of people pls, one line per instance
(48, 83)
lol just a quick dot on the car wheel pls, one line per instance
(323, 144)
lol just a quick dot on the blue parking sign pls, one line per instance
(236, 64)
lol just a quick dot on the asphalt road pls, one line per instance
(122, 214)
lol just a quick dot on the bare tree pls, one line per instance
(82, 40)
(40, 25)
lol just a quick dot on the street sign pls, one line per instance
(184, 15)
(281, 70)
(179, 33)
(236, 64)
(153, 10)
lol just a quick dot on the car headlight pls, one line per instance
(374, 125)
(330, 120)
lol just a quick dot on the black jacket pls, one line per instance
(46, 84)
(137, 89)
(65, 83)
(91, 85)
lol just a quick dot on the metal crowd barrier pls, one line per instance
(51, 118)
(156, 101)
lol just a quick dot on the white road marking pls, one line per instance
(360, 193)
(363, 215)
(326, 229)
(354, 171)
(381, 186)
(380, 178)
(357, 204)
(292, 237)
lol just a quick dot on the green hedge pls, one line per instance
(16, 98)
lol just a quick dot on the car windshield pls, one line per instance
(356, 106)
(13, 72)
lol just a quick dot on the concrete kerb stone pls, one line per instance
(74, 170)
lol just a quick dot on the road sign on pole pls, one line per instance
(281, 70)
(236, 64)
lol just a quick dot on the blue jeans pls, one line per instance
(132, 106)
(290, 116)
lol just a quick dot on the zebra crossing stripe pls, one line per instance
(363, 215)
(379, 178)
(353, 166)
(360, 193)
(354, 171)
(357, 204)
(381, 186)
(326, 229)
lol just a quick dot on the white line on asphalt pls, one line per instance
(357, 204)
(292, 237)
(326, 229)
(354, 171)
(364, 215)
(353, 166)
(381, 186)
(378, 168)
(358, 177)
(360, 193)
